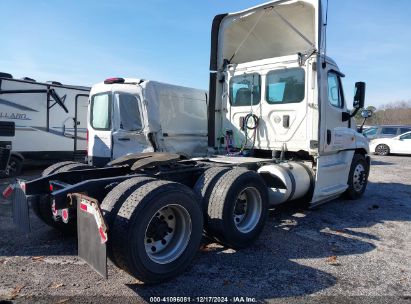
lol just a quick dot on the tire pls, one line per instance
(230, 221)
(42, 205)
(357, 178)
(14, 167)
(72, 167)
(115, 199)
(53, 168)
(382, 150)
(205, 185)
(142, 224)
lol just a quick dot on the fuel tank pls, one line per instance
(287, 181)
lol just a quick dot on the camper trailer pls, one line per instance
(136, 116)
(7, 129)
(50, 119)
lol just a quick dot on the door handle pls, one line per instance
(124, 139)
(286, 121)
(328, 137)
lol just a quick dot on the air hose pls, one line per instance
(247, 127)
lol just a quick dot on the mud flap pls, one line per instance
(92, 233)
(21, 217)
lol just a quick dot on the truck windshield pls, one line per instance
(245, 90)
(100, 111)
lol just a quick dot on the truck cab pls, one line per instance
(129, 116)
(269, 63)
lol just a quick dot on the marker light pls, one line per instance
(114, 80)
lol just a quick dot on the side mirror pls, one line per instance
(359, 97)
(366, 114)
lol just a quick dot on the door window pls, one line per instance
(389, 131)
(404, 130)
(335, 96)
(245, 90)
(100, 111)
(130, 118)
(406, 136)
(285, 86)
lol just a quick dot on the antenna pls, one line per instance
(325, 36)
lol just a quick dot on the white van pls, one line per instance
(135, 116)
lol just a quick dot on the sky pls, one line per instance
(82, 42)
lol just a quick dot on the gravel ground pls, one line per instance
(357, 251)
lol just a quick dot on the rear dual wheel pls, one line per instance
(236, 205)
(157, 231)
(113, 202)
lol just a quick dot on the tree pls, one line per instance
(398, 112)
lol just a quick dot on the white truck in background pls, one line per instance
(279, 130)
(50, 120)
(129, 116)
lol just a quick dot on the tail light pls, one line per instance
(114, 80)
(8, 191)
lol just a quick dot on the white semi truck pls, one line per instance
(279, 129)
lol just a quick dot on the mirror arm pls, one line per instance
(362, 125)
(354, 112)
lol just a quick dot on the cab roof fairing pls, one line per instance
(274, 29)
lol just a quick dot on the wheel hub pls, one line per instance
(247, 210)
(382, 149)
(167, 234)
(240, 208)
(158, 229)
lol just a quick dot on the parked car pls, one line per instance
(398, 145)
(385, 131)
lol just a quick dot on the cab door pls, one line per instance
(99, 129)
(337, 138)
(285, 109)
(128, 128)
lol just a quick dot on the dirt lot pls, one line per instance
(358, 249)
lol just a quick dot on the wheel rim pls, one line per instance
(382, 149)
(359, 177)
(247, 210)
(167, 234)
